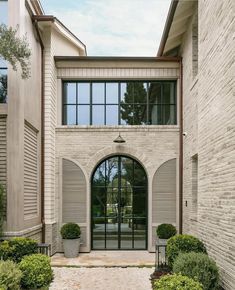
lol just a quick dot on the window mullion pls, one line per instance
(90, 103)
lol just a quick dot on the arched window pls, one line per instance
(119, 204)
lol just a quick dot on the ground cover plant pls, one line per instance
(183, 244)
(199, 266)
(176, 282)
(10, 275)
(36, 270)
(16, 248)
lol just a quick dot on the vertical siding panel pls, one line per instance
(74, 193)
(30, 172)
(164, 193)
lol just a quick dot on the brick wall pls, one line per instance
(209, 120)
(87, 146)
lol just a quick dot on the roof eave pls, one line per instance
(167, 27)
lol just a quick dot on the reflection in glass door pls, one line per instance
(119, 205)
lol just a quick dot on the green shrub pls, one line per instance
(183, 244)
(1, 209)
(70, 231)
(36, 271)
(16, 248)
(176, 282)
(198, 265)
(166, 231)
(10, 275)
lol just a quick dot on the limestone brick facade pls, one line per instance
(209, 122)
(201, 33)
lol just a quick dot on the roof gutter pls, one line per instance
(167, 27)
(181, 144)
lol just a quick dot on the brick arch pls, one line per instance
(119, 150)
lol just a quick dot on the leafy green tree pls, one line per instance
(15, 50)
(133, 106)
(3, 88)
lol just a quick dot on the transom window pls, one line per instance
(119, 103)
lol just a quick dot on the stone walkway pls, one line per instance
(99, 278)
(104, 270)
(106, 259)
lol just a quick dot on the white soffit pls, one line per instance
(179, 25)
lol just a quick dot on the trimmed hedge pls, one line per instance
(200, 266)
(166, 231)
(176, 282)
(36, 271)
(183, 244)
(10, 275)
(70, 231)
(16, 248)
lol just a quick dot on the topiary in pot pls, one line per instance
(164, 232)
(183, 244)
(176, 282)
(200, 266)
(70, 233)
(36, 271)
(10, 275)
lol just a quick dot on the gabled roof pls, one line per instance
(62, 29)
(176, 25)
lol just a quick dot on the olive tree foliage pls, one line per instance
(15, 50)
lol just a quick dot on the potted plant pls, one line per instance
(164, 232)
(70, 233)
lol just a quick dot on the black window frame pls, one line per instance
(4, 99)
(105, 104)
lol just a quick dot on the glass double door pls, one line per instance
(119, 205)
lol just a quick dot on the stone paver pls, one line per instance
(100, 278)
(106, 259)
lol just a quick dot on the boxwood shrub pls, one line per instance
(198, 265)
(16, 248)
(176, 282)
(70, 231)
(10, 275)
(36, 271)
(183, 244)
(166, 231)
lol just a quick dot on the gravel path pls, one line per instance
(102, 279)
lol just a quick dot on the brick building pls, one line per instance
(174, 111)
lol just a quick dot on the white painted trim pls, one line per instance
(24, 232)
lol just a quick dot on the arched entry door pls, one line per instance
(119, 205)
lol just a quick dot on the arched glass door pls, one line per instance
(119, 205)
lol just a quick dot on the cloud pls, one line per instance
(114, 27)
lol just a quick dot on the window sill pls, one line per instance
(123, 128)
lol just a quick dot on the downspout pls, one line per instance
(42, 130)
(181, 149)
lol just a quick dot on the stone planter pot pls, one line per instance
(162, 242)
(71, 248)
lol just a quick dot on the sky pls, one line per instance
(113, 27)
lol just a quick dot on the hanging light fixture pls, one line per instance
(119, 139)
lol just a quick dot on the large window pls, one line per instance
(3, 64)
(119, 103)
